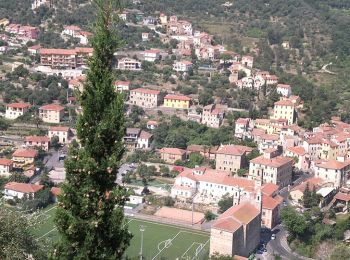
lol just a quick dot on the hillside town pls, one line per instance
(213, 143)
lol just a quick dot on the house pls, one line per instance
(297, 192)
(284, 89)
(205, 151)
(144, 140)
(236, 231)
(42, 142)
(341, 201)
(37, 3)
(145, 36)
(149, 20)
(34, 50)
(24, 32)
(15, 110)
(271, 204)
(62, 132)
(163, 18)
(177, 101)
(171, 155)
(71, 30)
(129, 64)
(231, 158)
(55, 192)
(6, 166)
(131, 136)
(151, 124)
(267, 141)
(77, 83)
(212, 116)
(285, 109)
(152, 55)
(247, 61)
(243, 128)
(182, 66)
(22, 157)
(4, 22)
(298, 153)
(84, 37)
(52, 113)
(19, 190)
(271, 168)
(146, 98)
(65, 58)
(3, 49)
(210, 185)
(333, 171)
(122, 86)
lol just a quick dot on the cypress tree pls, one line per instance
(90, 217)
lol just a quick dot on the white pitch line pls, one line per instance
(165, 247)
(46, 233)
(201, 249)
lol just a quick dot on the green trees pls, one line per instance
(90, 216)
(310, 198)
(225, 203)
(294, 222)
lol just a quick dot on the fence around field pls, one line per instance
(172, 222)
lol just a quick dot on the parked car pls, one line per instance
(273, 236)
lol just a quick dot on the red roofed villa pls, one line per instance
(52, 113)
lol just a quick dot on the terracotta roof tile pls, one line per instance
(146, 91)
(18, 105)
(27, 153)
(234, 149)
(34, 138)
(23, 187)
(177, 97)
(53, 107)
(275, 162)
(4, 161)
(176, 151)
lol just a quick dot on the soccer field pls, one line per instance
(160, 241)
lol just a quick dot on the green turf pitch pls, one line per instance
(161, 241)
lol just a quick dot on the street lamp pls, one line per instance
(142, 229)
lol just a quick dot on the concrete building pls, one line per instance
(182, 66)
(65, 58)
(52, 113)
(177, 101)
(171, 155)
(37, 3)
(122, 86)
(24, 32)
(285, 109)
(236, 231)
(271, 168)
(144, 140)
(18, 190)
(135, 138)
(35, 142)
(248, 61)
(6, 166)
(335, 172)
(146, 98)
(22, 157)
(62, 132)
(231, 157)
(129, 64)
(243, 128)
(15, 110)
(298, 152)
(284, 89)
(152, 55)
(212, 116)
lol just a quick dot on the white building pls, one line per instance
(37, 3)
(151, 55)
(5, 167)
(15, 110)
(284, 89)
(243, 128)
(129, 64)
(182, 66)
(333, 171)
(144, 140)
(20, 190)
(122, 86)
(62, 132)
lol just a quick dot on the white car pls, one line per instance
(273, 236)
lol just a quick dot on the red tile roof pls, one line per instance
(297, 150)
(283, 86)
(234, 149)
(146, 91)
(56, 191)
(342, 196)
(4, 161)
(242, 121)
(72, 27)
(57, 52)
(177, 97)
(53, 107)
(275, 162)
(59, 128)
(145, 135)
(34, 138)
(269, 188)
(122, 83)
(18, 105)
(270, 203)
(333, 164)
(285, 102)
(23, 187)
(176, 151)
(27, 153)
(151, 122)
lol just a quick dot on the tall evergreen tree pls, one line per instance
(90, 216)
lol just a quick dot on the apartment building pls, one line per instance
(65, 58)
(122, 86)
(299, 154)
(271, 168)
(42, 142)
(24, 32)
(152, 55)
(335, 172)
(15, 110)
(13, 190)
(243, 128)
(231, 158)
(129, 64)
(285, 109)
(146, 98)
(212, 116)
(6, 166)
(177, 101)
(284, 89)
(52, 113)
(62, 132)
(22, 157)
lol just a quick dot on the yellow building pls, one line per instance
(23, 157)
(284, 109)
(177, 101)
(4, 22)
